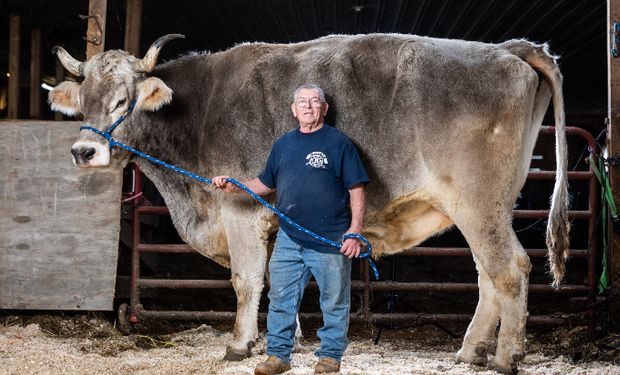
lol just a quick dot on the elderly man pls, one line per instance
(319, 181)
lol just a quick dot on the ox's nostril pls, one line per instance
(83, 154)
(88, 153)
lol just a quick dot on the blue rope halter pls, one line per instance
(113, 143)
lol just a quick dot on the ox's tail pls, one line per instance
(558, 226)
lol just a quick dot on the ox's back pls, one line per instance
(392, 94)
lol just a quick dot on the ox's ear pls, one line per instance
(153, 94)
(65, 98)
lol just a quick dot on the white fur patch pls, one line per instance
(69, 111)
(101, 157)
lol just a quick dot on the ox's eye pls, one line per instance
(120, 103)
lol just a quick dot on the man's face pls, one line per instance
(308, 107)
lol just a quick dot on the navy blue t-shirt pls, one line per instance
(312, 173)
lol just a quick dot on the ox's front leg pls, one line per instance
(247, 243)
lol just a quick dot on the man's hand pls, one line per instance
(220, 182)
(350, 248)
(254, 185)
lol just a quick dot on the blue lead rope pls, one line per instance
(113, 143)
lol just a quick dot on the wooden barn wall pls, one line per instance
(59, 224)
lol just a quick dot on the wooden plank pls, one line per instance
(35, 73)
(14, 67)
(133, 23)
(613, 142)
(60, 224)
(95, 34)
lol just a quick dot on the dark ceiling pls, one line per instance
(575, 30)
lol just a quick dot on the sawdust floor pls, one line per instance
(89, 344)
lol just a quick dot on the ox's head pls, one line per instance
(112, 80)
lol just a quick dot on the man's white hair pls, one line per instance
(310, 86)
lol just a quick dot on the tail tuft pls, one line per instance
(558, 226)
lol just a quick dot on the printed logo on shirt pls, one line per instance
(316, 159)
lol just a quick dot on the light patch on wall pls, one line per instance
(3, 98)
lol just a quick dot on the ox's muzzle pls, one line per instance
(89, 154)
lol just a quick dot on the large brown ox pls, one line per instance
(446, 127)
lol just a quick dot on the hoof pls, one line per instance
(478, 357)
(237, 355)
(518, 357)
(510, 369)
(478, 360)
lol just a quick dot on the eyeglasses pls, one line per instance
(305, 103)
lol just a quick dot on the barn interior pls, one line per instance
(575, 31)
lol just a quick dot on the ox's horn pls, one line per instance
(75, 67)
(150, 59)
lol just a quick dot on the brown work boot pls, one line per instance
(327, 364)
(273, 365)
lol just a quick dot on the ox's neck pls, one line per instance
(175, 134)
(182, 197)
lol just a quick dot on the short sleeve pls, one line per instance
(353, 171)
(268, 176)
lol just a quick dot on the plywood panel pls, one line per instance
(59, 224)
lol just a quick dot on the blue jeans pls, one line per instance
(290, 268)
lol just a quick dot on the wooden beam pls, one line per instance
(613, 143)
(14, 67)
(133, 23)
(95, 34)
(35, 73)
(60, 76)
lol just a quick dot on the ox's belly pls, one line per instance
(403, 223)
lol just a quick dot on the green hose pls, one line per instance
(607, 205)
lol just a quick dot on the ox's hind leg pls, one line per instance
(505, 268)
(480, 335)
(247, 243)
